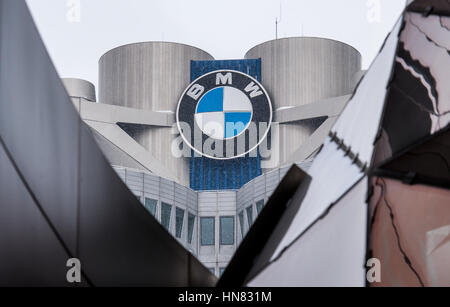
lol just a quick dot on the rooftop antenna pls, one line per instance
(277, 21)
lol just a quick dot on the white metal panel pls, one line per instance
(331, 253)
(135, 180)
(151, 185)
(120, 171)
(272, 180)
(332, 175)
(167, 191)
(359, 122)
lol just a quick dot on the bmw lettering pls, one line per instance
(224, 114)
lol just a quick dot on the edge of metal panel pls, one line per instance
(263, 237)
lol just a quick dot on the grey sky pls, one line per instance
(225, 29)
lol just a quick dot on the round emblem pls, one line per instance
(224, 114)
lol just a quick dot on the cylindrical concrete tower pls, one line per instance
(152, 76)
(79, 88)
(302, 70)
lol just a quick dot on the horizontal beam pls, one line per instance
(313, 142)
(129, 146)
(328, 107)
(107, 113)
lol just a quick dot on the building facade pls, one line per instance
(308, 80)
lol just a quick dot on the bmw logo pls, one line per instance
(224, 114)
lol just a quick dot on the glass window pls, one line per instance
(207, 230)
(250, 216)
(191, 221)
(179, 219)
(227, 230)
(221, 270)
(259, 205)
(212, 270)
(165, 215)
(150, 204)
(241, 221)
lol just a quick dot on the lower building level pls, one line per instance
(209, 224)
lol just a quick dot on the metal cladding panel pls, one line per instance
(260, 187)
(207, 199)
(426, 163)
(211, 174)
(151, 185)
(115, 155)
(120, 243)
(27, 119)
(331, 253)
(246, 195)
(305, 165)
(437, 7)
(135, 180)
(29, 246)
(272, 180)
(283, 171)
(166, 190)
(240, 195)
(226, 196)
(259, 243)
(180, 195)
(121, 172)
(227, 201)
(418, 92)
(333, 170)
(359, 123)
(192, 200)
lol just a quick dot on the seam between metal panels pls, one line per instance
(39, 206)
(321, 217)
(348, 152)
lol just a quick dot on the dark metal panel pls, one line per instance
(121, 244)
(83, 206)
(331, 252)
(30, 253)
(437, 7)
(38, 122)
(425, 162)
(268, 229)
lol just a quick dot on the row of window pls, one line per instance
(166, 210)
(249, 210)
(207, 224)
(207, 230)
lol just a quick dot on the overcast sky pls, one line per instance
(226, 29)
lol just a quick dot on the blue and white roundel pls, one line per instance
(224, 113)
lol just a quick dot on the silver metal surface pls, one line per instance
(79, 88)
(300, 71)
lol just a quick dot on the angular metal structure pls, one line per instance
(380, 184)
(59, 197)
